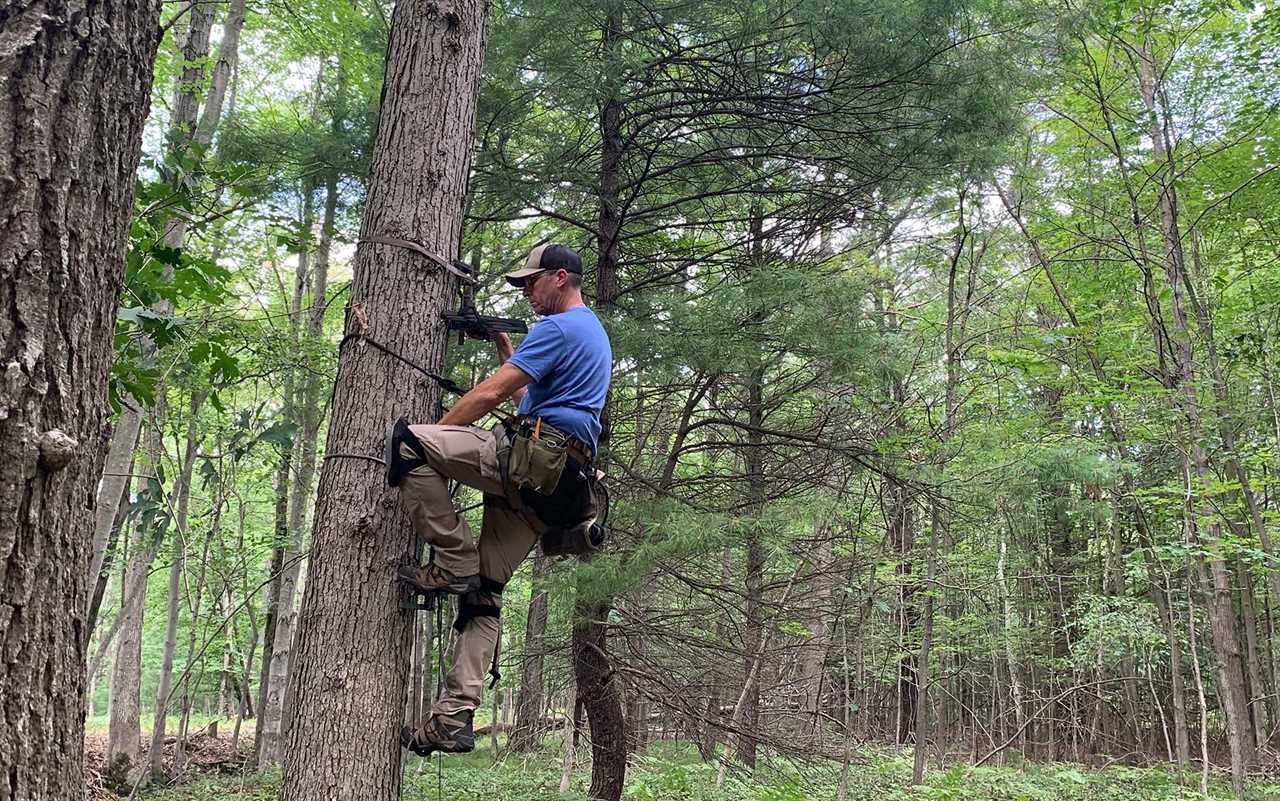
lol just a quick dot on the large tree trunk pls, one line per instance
(351, 657)
(71, 117)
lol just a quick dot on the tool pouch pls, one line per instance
(568, 497)
(536, 463)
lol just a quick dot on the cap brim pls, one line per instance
(517, 278)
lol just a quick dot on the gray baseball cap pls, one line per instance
(546, 258)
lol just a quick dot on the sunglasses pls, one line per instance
(533, 279)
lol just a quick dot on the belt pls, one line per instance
(575, 447)
(578, 451)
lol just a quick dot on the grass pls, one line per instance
(673, 772)
(97, 724)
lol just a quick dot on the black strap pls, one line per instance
(400, 467)
(489, 585)
(446, 384)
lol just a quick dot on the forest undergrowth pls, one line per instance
(669, 771)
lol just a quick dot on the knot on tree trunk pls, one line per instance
(57, 449)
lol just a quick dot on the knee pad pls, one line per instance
(398, 466)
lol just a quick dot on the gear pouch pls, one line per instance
(536, 462)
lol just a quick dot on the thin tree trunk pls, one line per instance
(1240, 737)
(527, 734)
(351, 657)
(179, 751)
(223, 68)
(112, 491)
(597, 691)
(182, 493)
(124, 730)
(271, 714)
(272, 591)
(570, 744)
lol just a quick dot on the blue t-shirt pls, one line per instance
(569, 360)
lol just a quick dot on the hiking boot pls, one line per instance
(433, 578)
(446, 734)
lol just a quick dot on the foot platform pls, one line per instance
(421, 601)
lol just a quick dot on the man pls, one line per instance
(560, 377)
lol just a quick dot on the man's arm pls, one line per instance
(502, 342)
(485, 396)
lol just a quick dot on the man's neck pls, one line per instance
(572, 301)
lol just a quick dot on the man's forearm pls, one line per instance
(502, 342)
(485, 396)
(470, 408)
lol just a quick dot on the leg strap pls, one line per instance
(398, 466)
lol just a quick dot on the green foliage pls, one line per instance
(667, 773)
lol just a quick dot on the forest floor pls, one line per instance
(669, 771)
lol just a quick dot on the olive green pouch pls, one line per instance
(536, 462)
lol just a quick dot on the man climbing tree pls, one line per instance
(77, 79)
(535, 472)
(347, 683)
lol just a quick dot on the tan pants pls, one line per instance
(468, 455)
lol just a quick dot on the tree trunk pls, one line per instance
(597, 691)
(271, 715)
(527, 735)
(598, 694)
(182, 492)
(124, 733)
(71, 117)
(814, 654)
(103, 578)
(1226, 644)
(112, 490)
(124, 729)
(271, 599)
(223, 67)
(351, 658)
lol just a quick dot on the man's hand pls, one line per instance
(502, 342)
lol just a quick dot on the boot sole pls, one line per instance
(409, 740)
(408, 575)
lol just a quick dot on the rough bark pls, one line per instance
(71, 116)
(351, 658)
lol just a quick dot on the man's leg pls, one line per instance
(462, 453)
(506, 539)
